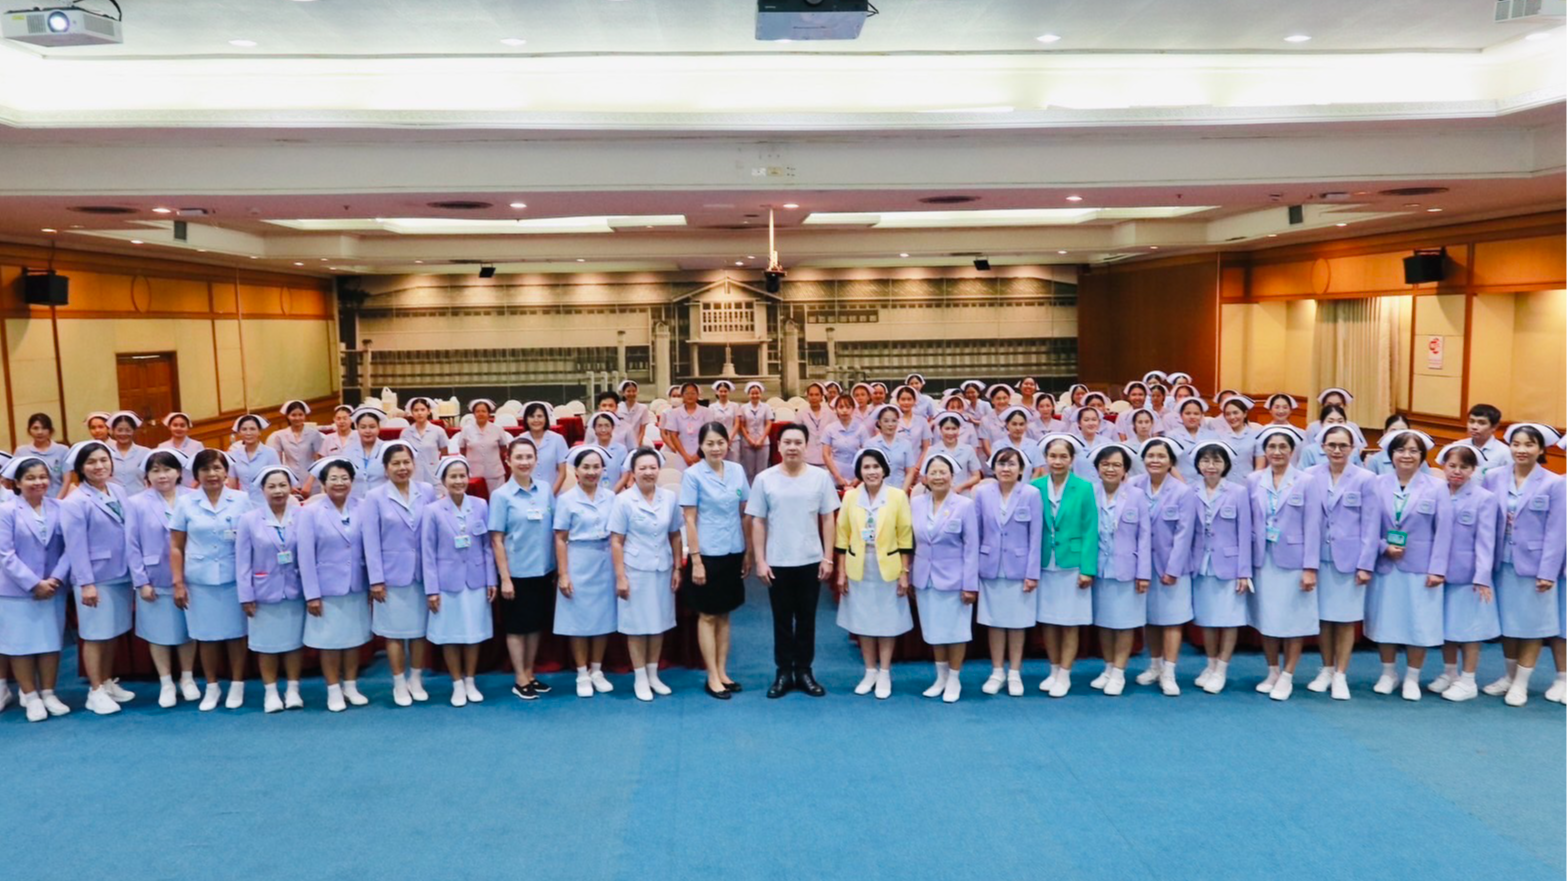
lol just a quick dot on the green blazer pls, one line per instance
(1073, 536)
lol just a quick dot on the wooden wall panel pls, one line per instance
(1521, 264)
(1164, 316)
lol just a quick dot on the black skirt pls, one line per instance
(533, 609)
(725, 589)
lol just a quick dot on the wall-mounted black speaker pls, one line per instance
(1425, 266)
(46, 289)
(1297, 215)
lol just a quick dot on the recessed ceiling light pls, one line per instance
(791, 205)
(254, 257)
(903, 254)
(582, 259)
(243, 44)
(519, 205)
(418, 261)
(1297, 38)
(163, 211)
(201, 250)
(1341, 224)
(1153, 247)
(1539, 35)
(514, 41)
(1432, 210)
(1273, 235)
(48, 229)
(739, 262)
(750, 256)
(1074, 198)
(1048, 38)
(1060, 252)
(137, 242)
(297, 263)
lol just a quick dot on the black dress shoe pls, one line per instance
(733, 687)
(721, 694)
(782, 685)
(808, 684)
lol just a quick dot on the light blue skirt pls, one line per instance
(944, 619)
(278, 627)
(1526, 613)
(464, 619)
(1339, 599)
(403, 614)
(1170, 605)
(344, 623)
(32, 627)
(872, 607)
(651, 608)
(1561, 606)
(1216, 604)
(1401, 610)
(1061, 601)
(1118, 605)
(111, 617)
(215, 613)
(1277, 606)
(1002, 603)
(1465, 618)
(160, 622)
(590, 611)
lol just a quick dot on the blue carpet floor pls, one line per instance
(1144, 786)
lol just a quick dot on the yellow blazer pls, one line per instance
(894, 533)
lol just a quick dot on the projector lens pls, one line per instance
(58, 22)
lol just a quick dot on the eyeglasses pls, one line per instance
(1338, 446)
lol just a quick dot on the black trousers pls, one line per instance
(794, 595)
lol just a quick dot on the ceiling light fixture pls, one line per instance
(903, 254)
(418, 261)
(514, 41)
(1433, 210)
(1153, 247)
(1074, 198)
(1341, 224)
(1273, 235)
(137, 242)
(163, 211)
(1297, 38)
(243, 44)
(49, 229)
(582, 259)
(1060, 252)
(519, 205)
(1048, 38)
(791, 205)
(739, 262)
(297, 263)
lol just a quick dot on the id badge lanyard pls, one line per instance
(1398, 537)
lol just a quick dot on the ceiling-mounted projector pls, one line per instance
(61, 26)
(811, 19)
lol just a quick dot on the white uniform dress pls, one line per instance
(649, 562)
(590, 610)
(214, 612)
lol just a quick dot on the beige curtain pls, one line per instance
(1356, 347)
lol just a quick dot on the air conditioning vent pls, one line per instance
(461, 205)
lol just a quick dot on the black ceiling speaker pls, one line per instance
(46, 289)
(982, 264)
(1425, 266)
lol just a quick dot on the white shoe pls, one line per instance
(1385, 684)
(236, 697)
(1101, 680)
(1460, 691)
(1202, 678)
(883, 684)
(1499, 687)
(352, 695)
(601, 683)
(657, 684)
(459, 694)
(168, 695)
(993, 684)
(189, 691)
(584, 685)
(1440, 684)
(1014, 684)
(1518, 695)
(5, 697)
(118, 694)
(1266, 685)
(937, 687)
(209, 700)
(1340, 688)
(1150, 675)
(1168, 685)
(272, 702)
(54, 705)
(1411, 689)
(1323, 680)
(400, 695)
(1115, 684)
(416, 689)
(952, 691)
(1215, 683)
(642, 690)
(867, 683)
(1282, 689)
(36, 711)
(335, 702)
(1557, 692)
(99, 702)
(292, 700)
(1048, 682)
(1062, 685)
(471, 688)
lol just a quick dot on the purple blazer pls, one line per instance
(391, 533)
(259, 576)
(1298, 519)
(1539, 526)
(1010, 547)
(1472, 552)
(447, 567)
(331, 552)
(1224, 530)
(1172, 526)
(1351, 519)
(147, 537)
(24, 560)
(946, 550)
(1427, 519)
(1129, 555)
(94, 536)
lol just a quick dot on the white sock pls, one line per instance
(1466, 677)
(998, 673)
(334, 691)
(1156, 663)
(1561, 677)
(942, 669)
(187, 676)
(1221, 666)
(582, 673)
(1168, 666)
(1210, 666)
(1273, 671)
(415, 676)
(293, 687)
(640, 675)
(595, 668)
(469, 684)
(1050, 673)
(869, 672)
(1411, 674)
(400, 679)
(1390, 670)
(1512, 666)
(1286, 676)
(48, 692)
(1522, 674)
(270, 688)
(1450, 671)
(28, 697)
